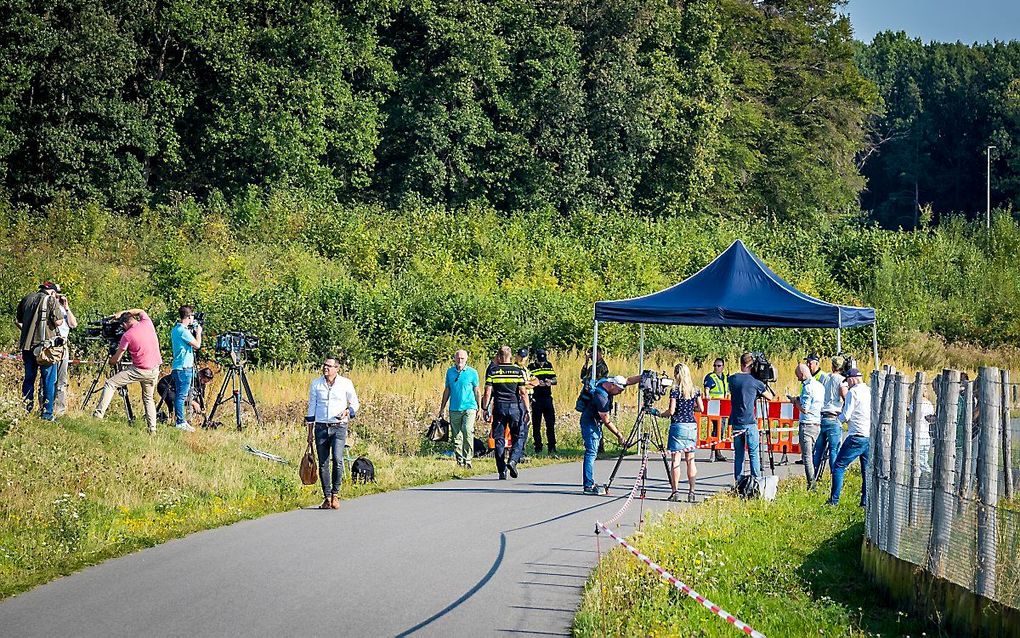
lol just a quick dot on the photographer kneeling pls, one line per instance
(596, 414)
(185, 338)
(745, 388)
(141, 343)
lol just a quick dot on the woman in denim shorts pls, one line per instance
(684, 402)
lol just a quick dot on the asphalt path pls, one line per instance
(470, 557)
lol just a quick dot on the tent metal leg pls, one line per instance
(641, 358)
(594, 351)
(874, 344)
(839, 341)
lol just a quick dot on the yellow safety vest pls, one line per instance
(721, 387)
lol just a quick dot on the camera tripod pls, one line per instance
(237, 380)
(642, 437)
(105, 369)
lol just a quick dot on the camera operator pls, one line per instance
(744, 392)
(857, 415)
(142, 344)
(595, 415)
(601, 372)
(506, 389)
(64, 329)
(38, 317)
(811, 399)
(185, 338)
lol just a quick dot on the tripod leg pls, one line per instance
(632, 438)
(93, 387)
(251, 397)
(219, 395)
(127, 406)
(235, 391)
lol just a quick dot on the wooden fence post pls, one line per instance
(916, 423)
(1007, 439)
(873, 519)
(988, 480)
(965, 477)
(898, 435)
(942, 472)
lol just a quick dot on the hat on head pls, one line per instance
(540, 352)
(49, 285)
(523, 352)
(812, 357)
(853, 372)
(619, 380)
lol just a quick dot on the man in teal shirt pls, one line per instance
(461, 390)
(183, 343)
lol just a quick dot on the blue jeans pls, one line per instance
(591, 433)
(330, 439)
(182, 386)
(828, 443)
(508, 415)
(47, 376)
(853, 448)
(750, 440)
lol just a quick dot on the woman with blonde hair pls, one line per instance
(684, 401)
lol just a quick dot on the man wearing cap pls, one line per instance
(595, 415)
(542, 402)
(856, 414)
(506, 388)
(142, 344)
(812, 396)
(745, 390)
(814, 365)
(39, 317)
(718, 388)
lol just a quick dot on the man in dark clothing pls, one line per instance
(744, 392)
(38, 316)
(506, 391)
(601, 372)
(542, 401)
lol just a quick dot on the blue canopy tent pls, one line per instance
(736, 290)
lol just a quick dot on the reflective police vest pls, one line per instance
(543, 371)
(721, 387)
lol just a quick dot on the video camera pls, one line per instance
(107, 329)
(762, 369)
(235, 344)
(197, 320)
(653, 385)
(848, 363)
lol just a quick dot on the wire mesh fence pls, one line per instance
(943, 482)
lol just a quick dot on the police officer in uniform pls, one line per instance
(542, 401)
(813, 362)
(717, 387)
(505, 402)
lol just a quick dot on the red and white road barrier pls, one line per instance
(633, 492)
(673, 580)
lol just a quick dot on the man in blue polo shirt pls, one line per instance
(461, 389)
(183, 343)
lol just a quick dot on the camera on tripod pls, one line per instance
(235, 344)
(653, 385)
(108, 330)
(762, 369)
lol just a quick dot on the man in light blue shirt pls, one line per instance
(183, 342)
(461, 390)
(812, 397)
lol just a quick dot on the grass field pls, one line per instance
(788, 568)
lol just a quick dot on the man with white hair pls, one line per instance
(595, 415)
(461, 390)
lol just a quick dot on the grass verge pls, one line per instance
(788, 568)
(79, 491)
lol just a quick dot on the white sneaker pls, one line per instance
(185, 426)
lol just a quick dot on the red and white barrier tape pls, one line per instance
(673, 580)
(633, 492)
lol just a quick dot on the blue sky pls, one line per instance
(944, 20)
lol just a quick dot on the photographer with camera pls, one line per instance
(745, 389)
(142, 345)
(594, 415)
(39, 317)
(811, 399)
(185, 338)
(63, 368)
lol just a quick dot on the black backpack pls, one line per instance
(481, 448)
(362, 470)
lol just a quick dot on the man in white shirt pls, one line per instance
(332, 403)
(831, 432)
(857, 415)
(812, 395)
